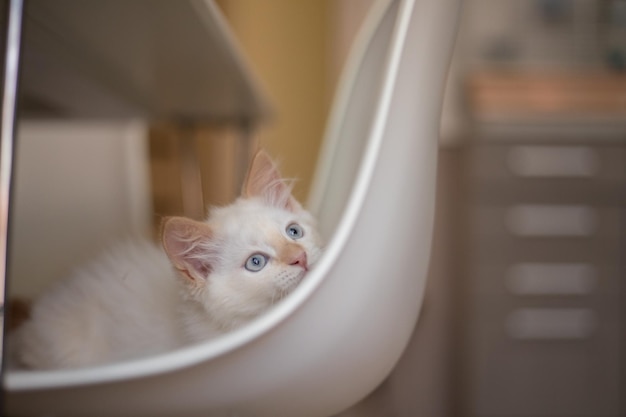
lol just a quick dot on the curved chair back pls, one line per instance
(341, 332)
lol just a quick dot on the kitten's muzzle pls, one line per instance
(300, 260)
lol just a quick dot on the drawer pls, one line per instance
(544, 221)
(558, 362)
(549, 174)
(527, 161)
(610, 194)
(554, 278)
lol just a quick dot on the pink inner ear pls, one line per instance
(199, 267)
(261, 175)
(264, 181)
(188, 245)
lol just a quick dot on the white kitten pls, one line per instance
(131, 302)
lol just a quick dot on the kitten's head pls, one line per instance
(247, 255)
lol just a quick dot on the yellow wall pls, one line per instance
(286, 43)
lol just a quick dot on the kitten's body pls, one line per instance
(122, 305)
(131, 302)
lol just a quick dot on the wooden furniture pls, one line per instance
(545, 315)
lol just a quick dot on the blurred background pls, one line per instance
(128, 117)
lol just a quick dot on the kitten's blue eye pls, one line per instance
(295, 231)
(256, 262)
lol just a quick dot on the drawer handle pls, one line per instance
(551, 278)
(551, 323)
(551, 220)
(553, 161)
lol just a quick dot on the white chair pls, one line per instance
(342, 331)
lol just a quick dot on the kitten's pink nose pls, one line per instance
(300, 260)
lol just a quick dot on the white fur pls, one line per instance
(121, 305)
(234, 295)
(131, 302)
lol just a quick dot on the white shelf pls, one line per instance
(142, 58)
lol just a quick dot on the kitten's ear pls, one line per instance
(188, 244)
(264, 180)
